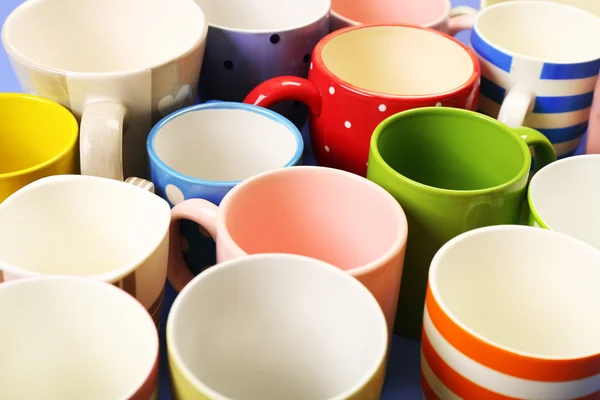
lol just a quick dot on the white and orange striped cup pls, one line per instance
(512, 312)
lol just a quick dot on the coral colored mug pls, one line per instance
(361, 75)
(323, 213)
(435, 14)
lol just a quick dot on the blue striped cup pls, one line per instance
(204, 150)
(539, 66)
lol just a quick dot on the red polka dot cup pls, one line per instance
(361, 75)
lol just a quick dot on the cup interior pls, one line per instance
(423, 13)
(81, 225)
(398, 60)
(72, 338)
(452, 149)
(318, 212)
(544, 30)
(530, 291)
(33, 131)
(226, 142)
(103, 36)
(566, 196)
(264, 16)
(284, 326)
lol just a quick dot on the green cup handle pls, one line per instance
(544, 151)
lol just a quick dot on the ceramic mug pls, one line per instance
(203, 151)
(565, 195)
(89, 226)
(75, 338)
(435, 14)
(38, 138)
(295, 327)
(363, 74)
(451, 170)
(523, 325)
(250, 42)
(533, 77)
(324, 213)
(113, 66)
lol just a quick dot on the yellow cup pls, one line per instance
(38, 138)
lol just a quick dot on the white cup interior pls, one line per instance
(398, 60)
(592, 6)
(225, 144)
(530, 291)
(285, 326)
(566, 196)
(73, 338)
(548, 31)
(103, 36)
(265, 15)
(81, 225)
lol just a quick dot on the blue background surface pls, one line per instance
(402, 380)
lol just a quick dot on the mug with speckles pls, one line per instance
(361, 75)
(252, 41)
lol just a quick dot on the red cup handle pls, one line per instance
(283, 88)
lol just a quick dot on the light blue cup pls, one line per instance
(203, 151)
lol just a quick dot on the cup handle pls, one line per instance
(283, 88)
(101, 139)
(200, 211)
(515, 107)
(593, 134)
(141, 183)
(461, 19)
(543, 149)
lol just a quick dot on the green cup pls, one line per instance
(451, 170)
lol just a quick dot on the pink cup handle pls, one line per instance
(593, 134)
(461, 19)
(202, 212)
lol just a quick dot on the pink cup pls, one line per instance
(323, 213)
(435, 14)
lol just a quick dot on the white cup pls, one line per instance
(118, 65)
(276, 326)
(68, 337)
(89, 226)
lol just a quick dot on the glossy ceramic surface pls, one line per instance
(111, 67)
(187, 150)
(306, 211)
(88, 226)
(347, 103)
(75, 338)
(38, 138)
(282, 301)
(511, 313)
(530, 78)
(451, 171)
(259, 41)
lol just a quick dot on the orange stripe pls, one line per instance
(512, 364)
(454, 381)
(428, 392)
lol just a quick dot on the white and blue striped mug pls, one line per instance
(539, 66)
(204, 150)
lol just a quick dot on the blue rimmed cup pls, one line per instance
(203, 151)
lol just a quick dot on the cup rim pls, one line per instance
(318, 61)
(290, 28)
(107, 287)
(376, 156)
(56, 109)
(476, 30)
(548, 169)
(437, 261)
(431, 24)
(12, 52)
(179, 300)
(397, 246)
(216, 105)
(115, 274)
